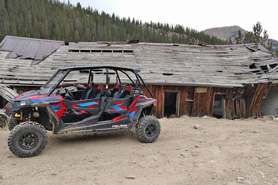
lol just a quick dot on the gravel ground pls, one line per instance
(189, 151)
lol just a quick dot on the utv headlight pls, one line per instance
(22, 103)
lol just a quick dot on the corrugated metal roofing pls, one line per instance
(29, 48)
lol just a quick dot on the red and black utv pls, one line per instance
(106, 106)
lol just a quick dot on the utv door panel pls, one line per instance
(91, 105)
(116, 105)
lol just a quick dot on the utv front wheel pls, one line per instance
(27, 139)
(148, 129)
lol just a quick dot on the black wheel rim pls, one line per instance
(150, 130)
(28, 141)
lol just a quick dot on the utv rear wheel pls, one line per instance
(3, 121)
(27, 139)
(148, 129)
(11, 124)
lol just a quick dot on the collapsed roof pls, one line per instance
(160, 64)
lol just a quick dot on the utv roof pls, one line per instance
(98, 67)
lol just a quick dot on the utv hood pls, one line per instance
(34, 98)
(28, 94)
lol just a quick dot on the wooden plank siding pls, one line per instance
(255, 99)
(184, 107)
(193, 102)
(204, 102)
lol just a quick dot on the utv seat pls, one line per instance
(89, 89)
(98, 93)
(127, 92)
(115, 91)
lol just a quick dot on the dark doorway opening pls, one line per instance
(170, 103)
(219, 106)
(3, 102)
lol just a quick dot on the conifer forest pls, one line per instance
(55, 20)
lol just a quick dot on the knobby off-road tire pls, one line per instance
(3, 121)
(148, 129)
(27, 139)
(11, 124)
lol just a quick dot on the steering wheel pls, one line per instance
(69, 94)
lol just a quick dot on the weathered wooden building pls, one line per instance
(223, 81)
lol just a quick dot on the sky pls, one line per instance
(196, 14)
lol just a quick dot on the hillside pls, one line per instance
(274, 44)
(225, 33)
(230, 32)
(51, 19)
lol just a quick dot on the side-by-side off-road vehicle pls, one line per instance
(82, 99)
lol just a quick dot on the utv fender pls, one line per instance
(53, 119)
(137, 114)
(141, 107)
(146, 103)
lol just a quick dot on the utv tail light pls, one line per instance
(154, 104)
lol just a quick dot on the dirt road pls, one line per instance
(217, 152)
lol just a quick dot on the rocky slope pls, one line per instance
(224, 33)
(230, 32)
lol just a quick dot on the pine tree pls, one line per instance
(238, 38)
(78, 6)
(269, 46)
(67, 32)
(248, 37)
(265, 37)
(257, 30)
(76, 36)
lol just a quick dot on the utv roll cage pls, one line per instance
(93, 68)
